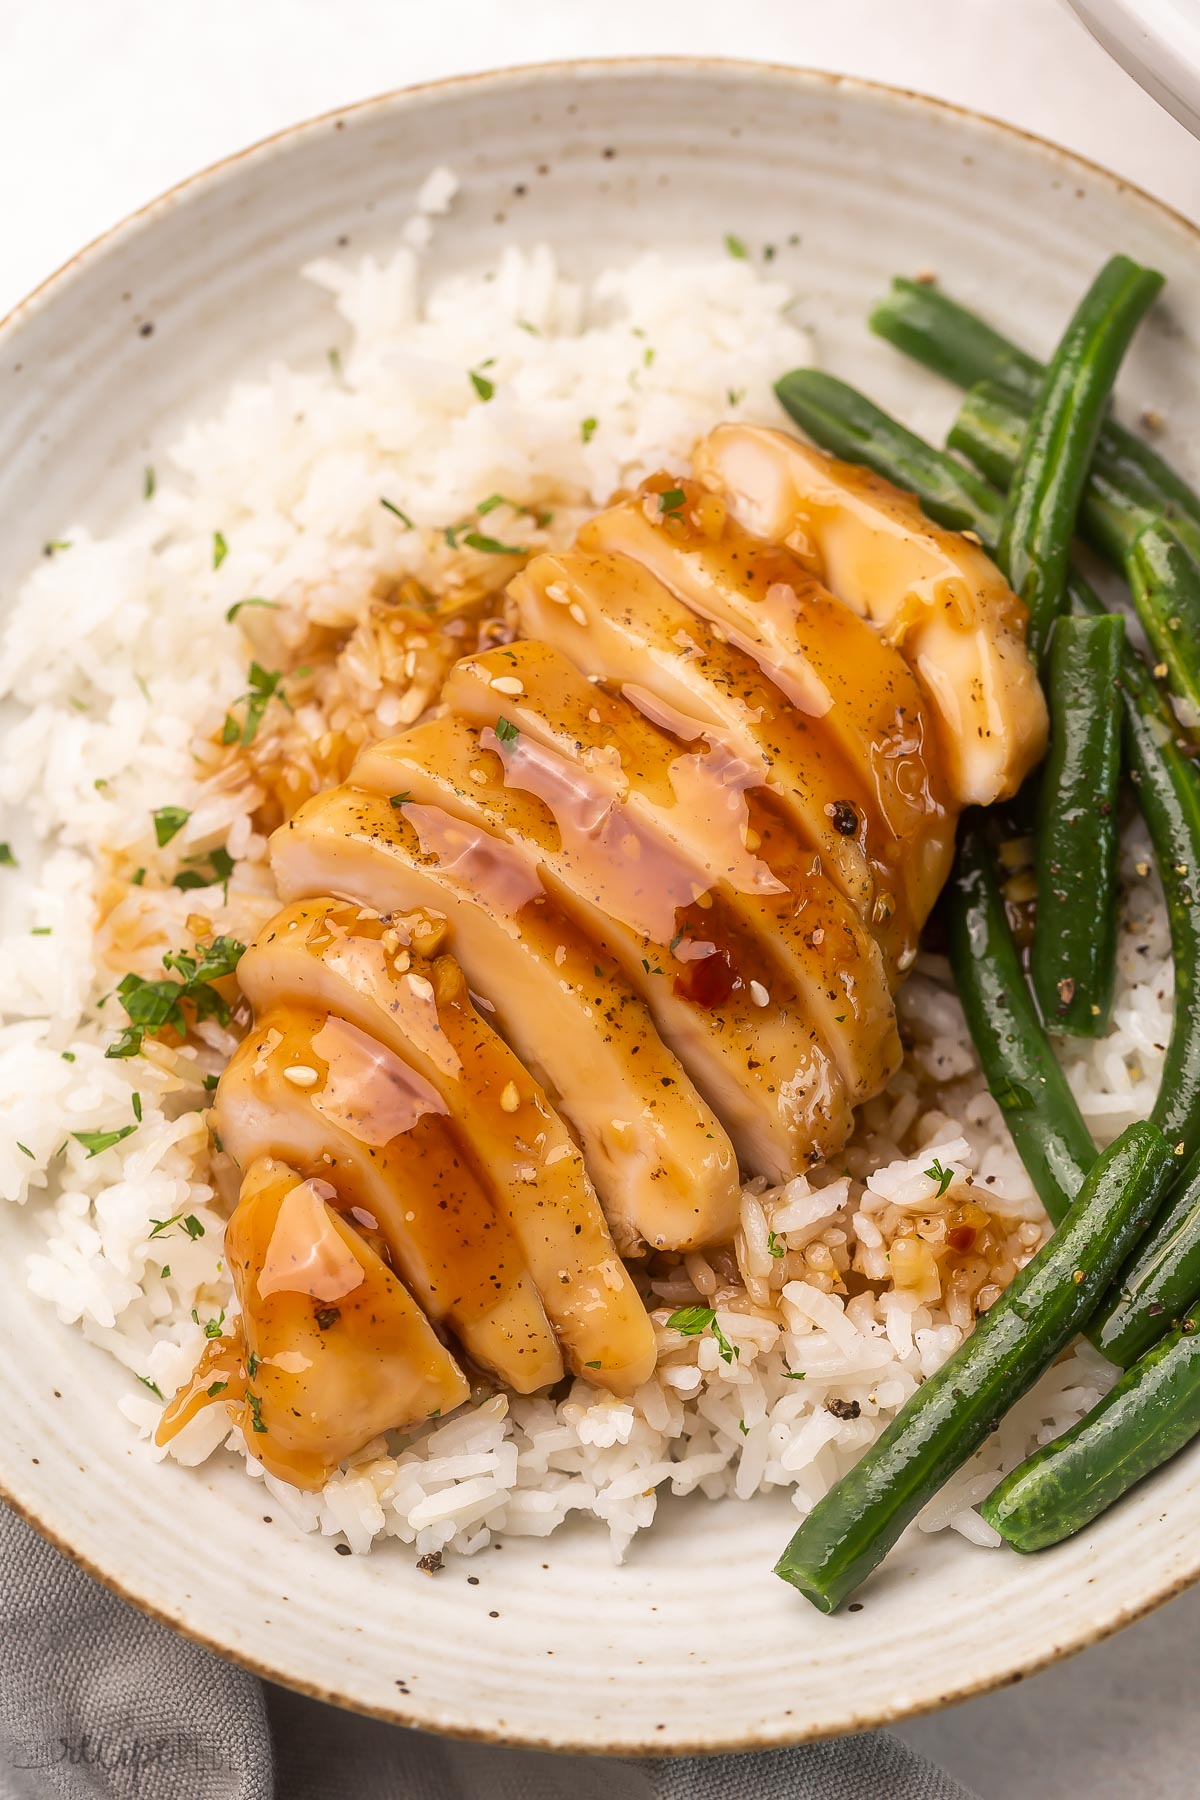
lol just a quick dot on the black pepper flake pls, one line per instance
(844, 817)
(855, 1606)
(342, 1549)
(327, 1316)
(493, 1615)
(472, 1581)
(431, 1564)
(146, 329)
(1155, 1308)
(843, 1409)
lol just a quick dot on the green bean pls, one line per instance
(1056, 451)
(988, 431)
(855, 1525)
(843, 421)
(1019, 1066)
(1168, 796)
(1073, 965)
(1166, 592)
(1161, 1282)
(1152, 1412)
(923, 322)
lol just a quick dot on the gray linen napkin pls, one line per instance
(98, 1701)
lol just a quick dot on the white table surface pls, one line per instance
(103, 103)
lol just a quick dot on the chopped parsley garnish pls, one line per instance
(399, 799)
(335, 360)
(168, 822)
(735, 396)
(215, 1388)
(252, 1365)
(671, 500)
(647, 356)
(212, 869)
(390, 506)
(506, 731)
(591, 1365)
(148, 483)
(941, 1175)
(220, 549)
(587, 429)
(743, 1428)
(188, 1222)
(525, 325)
(151, 1006)
(735, 246)
(794, 1374)
(137, 1107)
(212, 1327)
(152, 1385)
(210, 1082)
(26, 1151)
(774, 1247)
(56, 544)
(41, 931)
(263, 686)
(7, 859)
(490, 546)
(254, 1402)
(137, 878)
(483, 387)
(96, 1141)
(254, 600)
(68, 1056)
(491, 503)
(692, 1320)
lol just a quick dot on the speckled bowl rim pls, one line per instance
(143, 218)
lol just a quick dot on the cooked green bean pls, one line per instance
(843, 421)
(1152, 1412)
(1019, 1066)
(1161, 1282)
(855, 1525)
(988, 431)
(953, 342)
(1168, 795)
(1073, 965)
(1166, 592)
(1056, 451)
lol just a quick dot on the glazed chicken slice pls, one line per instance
(338, 1348)
(617, 622)
(831, 664)
(708, 808)
(384, 975)
(311, 1088)
(933, 593)
(662, 1165)
(713, 986)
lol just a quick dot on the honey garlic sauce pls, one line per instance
(311, 1088)
(932, 593)
(662, 1164)
(330, 1349)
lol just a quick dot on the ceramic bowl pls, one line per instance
(693, 1644)
(1155, 41)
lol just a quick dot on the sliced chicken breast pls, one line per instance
(708, 808)
(712, 986)
(663, 1166)
(310, 1088)
(827, 660)
(616, 621)
(330, 1350)
(385, 976)
(933, 593)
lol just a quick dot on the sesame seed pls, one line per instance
(759, 994)
(510, 1099)
(301, 1076)
(508, 684)
(557, 592)
(577, 613)
(420, 987)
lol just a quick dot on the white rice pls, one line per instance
(118, 657)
